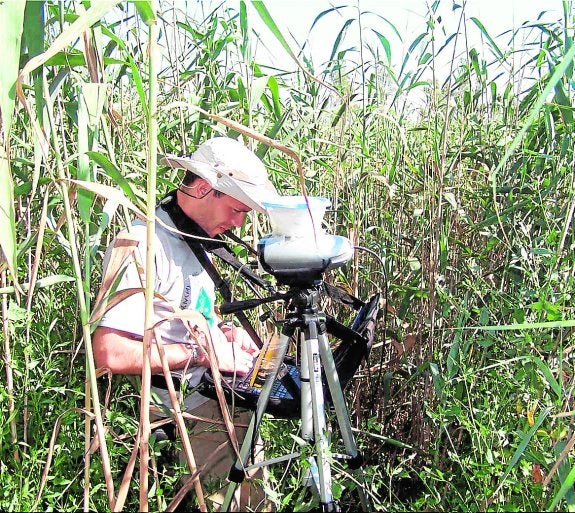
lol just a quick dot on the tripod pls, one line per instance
(315, 354)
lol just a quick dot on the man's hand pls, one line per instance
(235, 350)
(241, 338)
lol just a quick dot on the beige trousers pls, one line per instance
(207, 438)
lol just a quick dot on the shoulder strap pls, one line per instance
(224, 254)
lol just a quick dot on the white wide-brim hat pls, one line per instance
(229, 167)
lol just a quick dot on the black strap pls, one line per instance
(199, 247)
(226, 256)
(343, 297)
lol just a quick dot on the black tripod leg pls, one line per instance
(342, 413)
(237, 472)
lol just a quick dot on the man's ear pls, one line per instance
(202, 187)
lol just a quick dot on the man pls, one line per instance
(223, 182)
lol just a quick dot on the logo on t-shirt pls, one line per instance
(186, 295)
(205, 306)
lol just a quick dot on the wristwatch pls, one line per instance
(226, 325)
(193, 347)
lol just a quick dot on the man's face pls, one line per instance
(221, 213)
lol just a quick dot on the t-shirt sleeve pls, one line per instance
(128, 314)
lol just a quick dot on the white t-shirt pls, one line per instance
(182, 282)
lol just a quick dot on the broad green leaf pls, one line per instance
(546, 371)
(418, 83)
(115, 174)
(492, 43)
(564, 103)
(386, 46)
(34, 27)
(244, 47)
(493, 89)
(271, 24)
(11, 22)
(49, 281)
(412, 47)
(274, 90)
(146, 11)
(339, 38)
(71, 59)
(94, 14)
(474, 56)
(339, 114)
(568, 45)
(438, 381)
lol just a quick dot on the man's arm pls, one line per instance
(121, 352)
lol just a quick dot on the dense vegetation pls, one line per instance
(464, 187)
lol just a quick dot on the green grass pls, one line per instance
(464, 188)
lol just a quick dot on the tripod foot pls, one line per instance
(355, 462)
(237, 475)
(328, 507)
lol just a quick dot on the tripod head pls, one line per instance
(299, 297)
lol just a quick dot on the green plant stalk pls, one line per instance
(84, 314)
(87, 456)
(82, 165)
(150, 267)
(9, 372)
(83, 169)
(89, 110)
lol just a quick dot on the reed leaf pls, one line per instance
(83, 22)
(566, 487)
(498, 53)
(146, 11)
(34, 29)
(11, 20)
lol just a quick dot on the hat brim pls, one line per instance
(250, 194)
